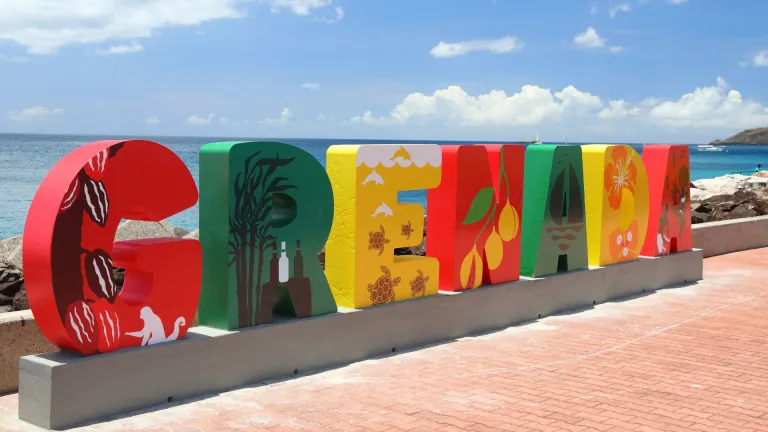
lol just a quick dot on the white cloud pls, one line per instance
(34, 112)
(134, 47)
(152, 120)
(196, 120)
(760, 59)
(44, 26)
(715, 107)
(532, 105)
(590, 40)
(311, 86)
(618, 109)
(339, 16)
(14, 59)
(507, 44)
(594, 10)
(622, 7)
(223, 120)
(298, 7)
(285, 117)
(676, 2)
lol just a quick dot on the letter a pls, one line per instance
(669, 222)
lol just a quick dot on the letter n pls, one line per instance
(669, 223)
(474, 215)
(554, 227)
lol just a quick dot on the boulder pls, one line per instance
(179, 232)
(10, 251)
(192, 235)
(20, 300)
(9, 273)
(132, 230)
(742, 204)
(9, 290)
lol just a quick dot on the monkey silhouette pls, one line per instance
(153, 331)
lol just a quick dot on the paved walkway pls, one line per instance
(684, 359)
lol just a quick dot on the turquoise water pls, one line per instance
(26, 159)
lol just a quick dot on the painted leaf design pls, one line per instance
(481, 203)
(70, 197)
(95, 167)
(98, 273)
(96, 201)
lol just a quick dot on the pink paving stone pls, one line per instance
(689, 358)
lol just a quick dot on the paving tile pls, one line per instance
(687, 358)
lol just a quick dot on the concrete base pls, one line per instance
(60, 390)
(718, 238)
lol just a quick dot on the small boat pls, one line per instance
(710, 148)
(536, 141)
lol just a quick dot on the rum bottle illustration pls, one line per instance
(283, 274)
(298, 262)
(273, 267)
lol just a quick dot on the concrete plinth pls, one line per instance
(60, 390)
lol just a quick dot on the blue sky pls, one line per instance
(622, 71)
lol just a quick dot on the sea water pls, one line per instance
(26, 159)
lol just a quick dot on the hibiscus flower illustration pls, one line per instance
(620, 173)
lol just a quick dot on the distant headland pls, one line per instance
(749, 136)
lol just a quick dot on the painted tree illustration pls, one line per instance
(250, 222)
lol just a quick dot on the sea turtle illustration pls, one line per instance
(383, 290)
(377, 240)
(407, 230)
(419, 284)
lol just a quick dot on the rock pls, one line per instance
(4, 309)
(193, 235)
(743, 210)
(743, 203)
(179, 232)
(10, 251)
(9, 273)
(133, 230)
(723, 185)
(9, 290)
(702, 208)
(760, 174)
(20, 300)
(118, 274)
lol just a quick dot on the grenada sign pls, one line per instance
(495, 212)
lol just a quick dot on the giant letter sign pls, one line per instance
(616, 188)
(669, 223)
(474, 215)
(554, 226)
(69, 252)
(369, 223)
(265, 212)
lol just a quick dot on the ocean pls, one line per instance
(26, 159)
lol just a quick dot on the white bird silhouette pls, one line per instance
(373, 177)
(153, 331)
(383, 209)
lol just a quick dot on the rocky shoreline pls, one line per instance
(732, 196)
